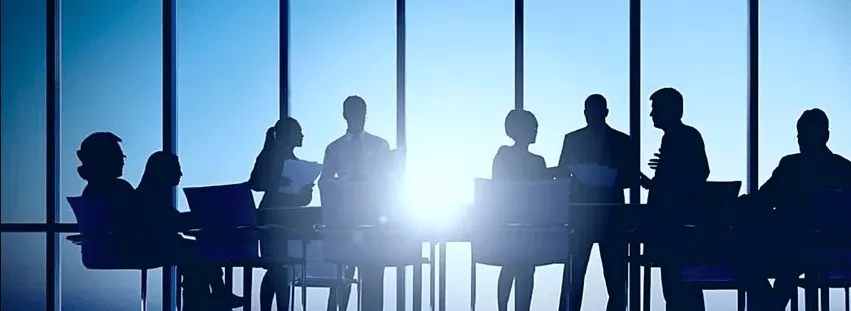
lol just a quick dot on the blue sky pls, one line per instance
(460, 64)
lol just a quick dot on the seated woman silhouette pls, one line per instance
(518, 163)
(164, 222)
(281, 141)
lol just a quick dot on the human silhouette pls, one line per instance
(163, 223)
(598, 143)
(102, 165)
(681, 171)
(281, 141)
(148, 234)
(772, 239)
(353, 157)
(516, 162)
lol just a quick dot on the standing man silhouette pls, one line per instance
(598, 143)
(353, 157)
(681, 171)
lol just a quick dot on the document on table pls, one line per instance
(595, 175)
(300, 173)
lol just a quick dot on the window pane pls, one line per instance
(23, 110)
(699, 48)
(111, 81)
(227, 92)
(348, 48)
(565, 62)
(804, 50)
(460, 86)
(23, 276)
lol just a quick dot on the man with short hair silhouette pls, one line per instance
(795, 179)
(598, 143)
(681, 171)
(353, 157)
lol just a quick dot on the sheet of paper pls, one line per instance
(300, 173)
(595, 175)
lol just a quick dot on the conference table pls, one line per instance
(455, 230)
(459, 229)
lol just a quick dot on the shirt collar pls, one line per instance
(350, 136)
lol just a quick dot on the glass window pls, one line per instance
(699, 48)
(339, 50)
(23, 278)
(565, 62)
(803, 64)
(111, 81)
(227, 92)
(460, 86)
(23, 110)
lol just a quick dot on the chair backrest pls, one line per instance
(830, 210)
(501, 202)
(716, 204)
(92, 213)
(348, 204)
(100, 248)
(520, 221)
(362, 222)
(222, 207)
(317, 266)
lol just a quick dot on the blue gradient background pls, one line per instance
(460, 66)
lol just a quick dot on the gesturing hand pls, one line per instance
(655, 161)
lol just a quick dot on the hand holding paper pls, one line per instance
(300, 174)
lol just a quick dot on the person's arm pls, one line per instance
(259, 180)
(497, 168)
(329, 165)
(772, 191)
(565, 159)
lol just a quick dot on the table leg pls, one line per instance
(400, 288)
(418, 286)
(442, 276)
(634, 284)
(432, 257)
(247, 282)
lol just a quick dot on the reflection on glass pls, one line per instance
(573, 49)
(699, 48)
(111, 81)
(460, 86)
(227, 93)
(804, 51)
(23, 111)
(23, 276)
(348, 48)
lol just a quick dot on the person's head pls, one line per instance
(288, 132)
(666, 107)
(813, 130)
(354, 111)
(521, 126)
(101, 157)
(596, 109)
(162, 169)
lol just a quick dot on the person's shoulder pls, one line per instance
(122, 184)
(335, 143)
(575, 133)
(790, 159)
(375, 138)
(502, 151)
(844, 162)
